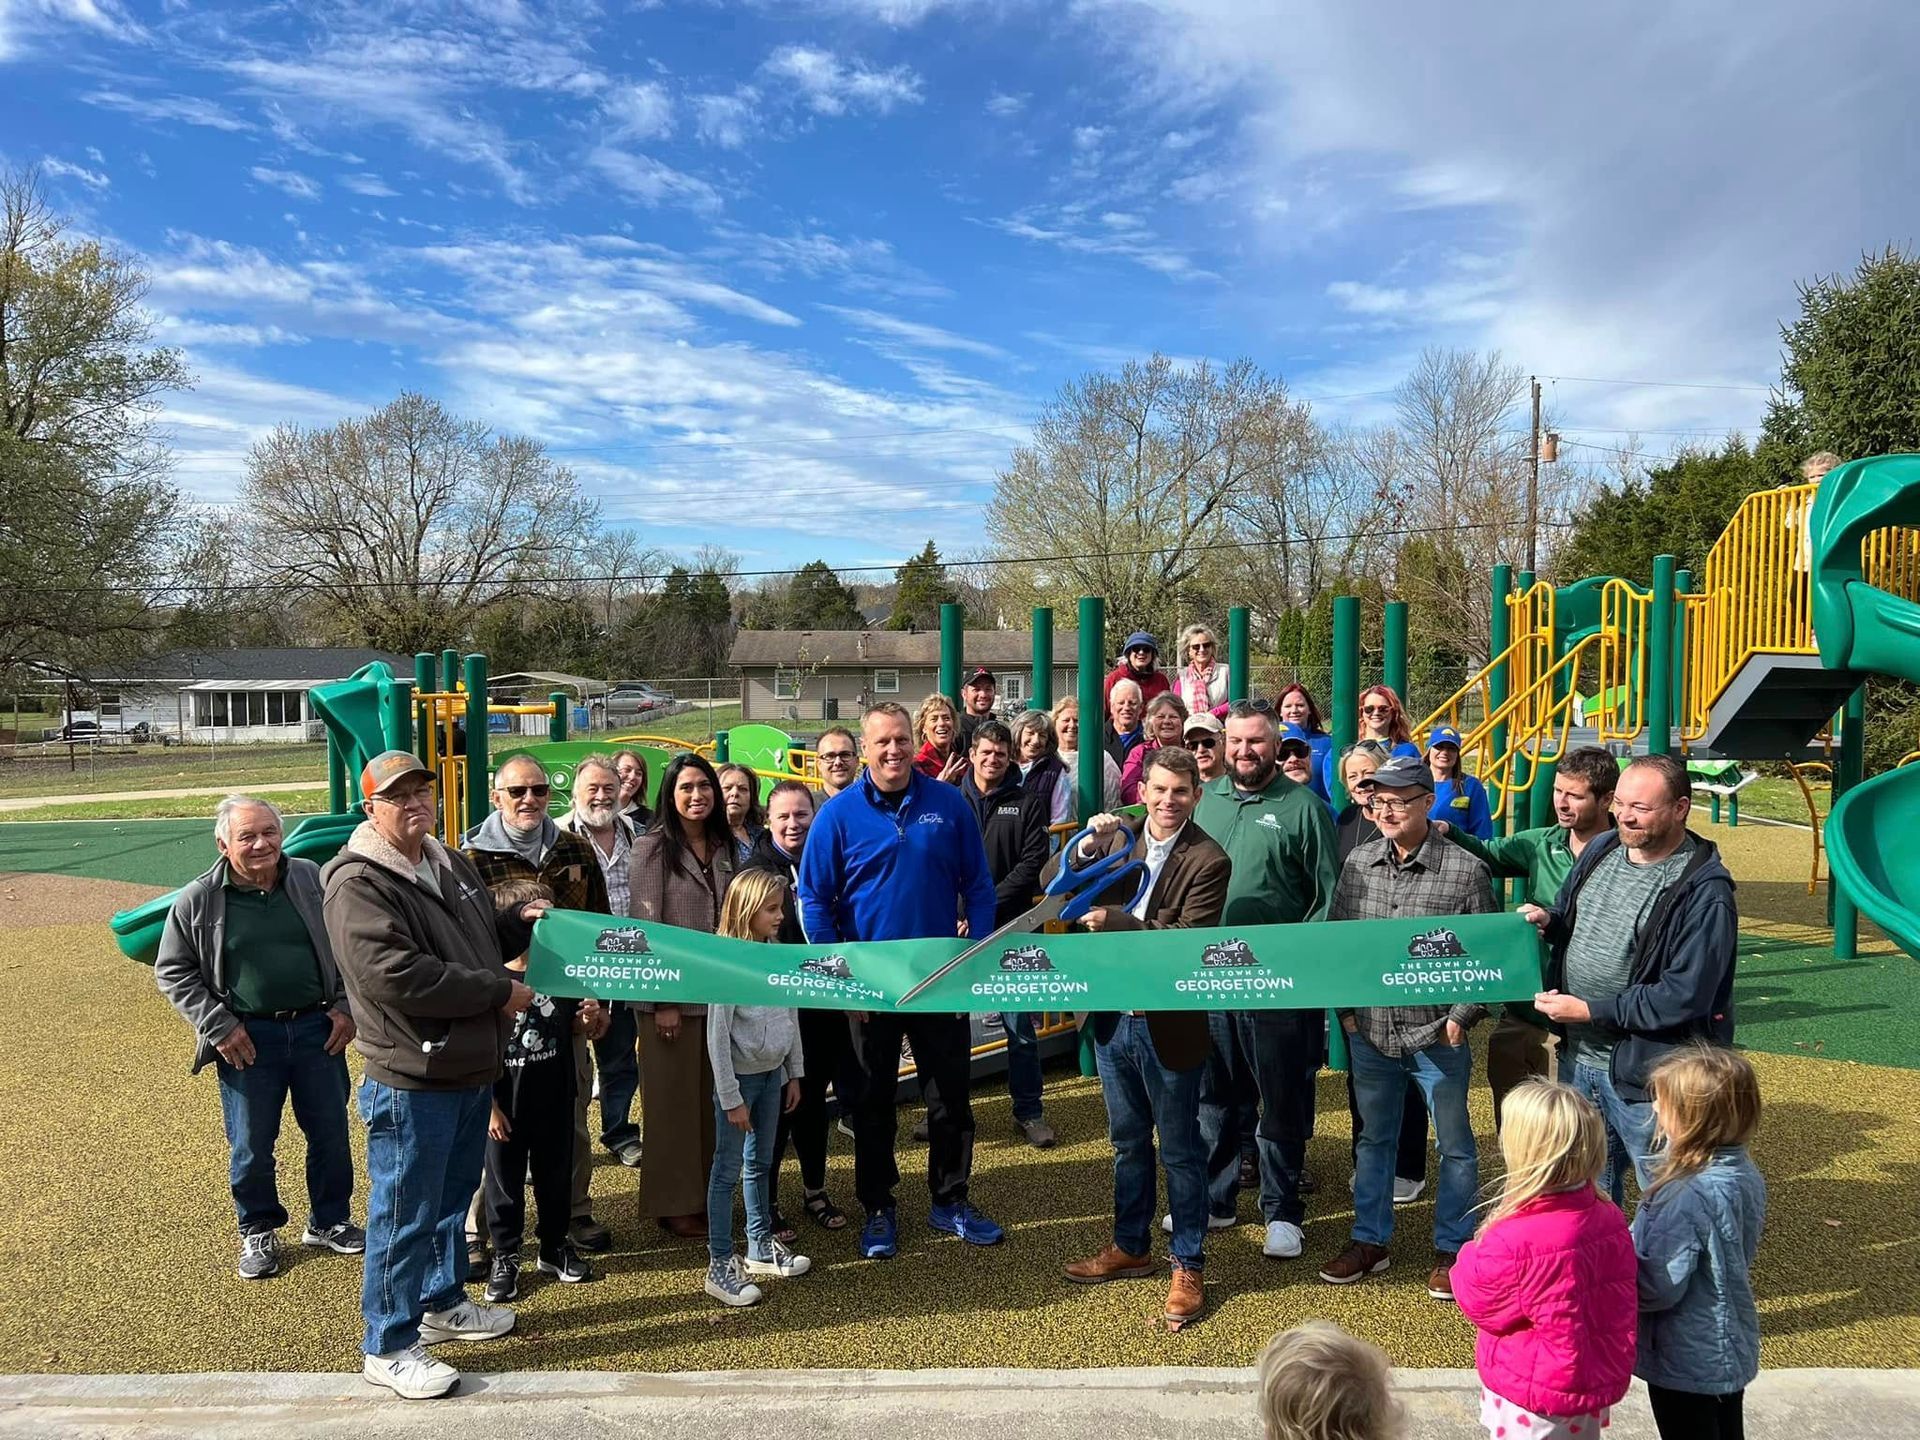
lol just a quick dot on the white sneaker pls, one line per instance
(465, 1321)
(1405, 1192)
(412, 1374)
(782, 1261)
(1284, 1239)
(1214, 1222)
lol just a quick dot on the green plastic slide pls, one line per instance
(1861, 627)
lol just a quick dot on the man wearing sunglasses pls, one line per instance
(1203, 736)
(518, 842)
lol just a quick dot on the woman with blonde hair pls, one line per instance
(936, 725)
(1696, 1235)
(1201, 682)
(1066, 725)
(1549, 1279)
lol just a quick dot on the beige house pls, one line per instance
(790, 677)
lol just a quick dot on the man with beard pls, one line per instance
(1642, 941)
(1280, 839)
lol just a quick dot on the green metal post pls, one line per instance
(479, 770)
(1346, 684)
(336, 778)
(953, 647)
(1851, 770)
(426, 680)
(1660, 658)
(1716, 808)
(1239, 655)
(399, 716)
(449, 670)
(720, 751)
(1040, 690)
(1733, 811)
(1393, 666)
(1090, 784)
(557, 730)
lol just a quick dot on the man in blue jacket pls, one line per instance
(898, 856)
(1643, 937)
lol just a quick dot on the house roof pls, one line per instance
(1000, 649)
(311, 665)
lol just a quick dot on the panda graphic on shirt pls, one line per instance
(539, 1031)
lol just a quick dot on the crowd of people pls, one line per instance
(936, 824)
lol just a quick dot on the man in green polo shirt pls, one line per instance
(246, 961)
(1279, 836)
(1583, 784)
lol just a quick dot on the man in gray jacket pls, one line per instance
(421, 947)
(245, 960)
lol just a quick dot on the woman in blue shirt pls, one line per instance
(1295, 707)
(1458, 798)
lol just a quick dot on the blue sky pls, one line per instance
(792, 277)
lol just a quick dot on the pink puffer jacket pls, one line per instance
(1552, 1289)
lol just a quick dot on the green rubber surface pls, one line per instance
(1795, 999)
(141, 852)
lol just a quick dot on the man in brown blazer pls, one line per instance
(1151, 1062)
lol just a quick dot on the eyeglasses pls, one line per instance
(517, 792)
(1202, 742)
(835, 757)
(1389, 805)
(423, 793)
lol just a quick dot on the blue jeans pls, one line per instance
(1380, 1084)
(744, 1153)
(290, 1059)
(1630, 1130)
(1143, 1096)
(616, 1056)
(424, 1155)
(1023, 1063)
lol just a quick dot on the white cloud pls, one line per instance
(1180, 140)
(61, 170)
(652, 183)
(22, 21)
(1089, 137)
(912, 332)
(176, 331)
(1004, 105)
(828, 85)
(638, 111)
(364, 184)
(727, 120)
(291, 181)
(1062, 227)
(186, 109)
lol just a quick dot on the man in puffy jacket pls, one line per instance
(1642, 941)
(421, 947)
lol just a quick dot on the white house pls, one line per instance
(208, 696)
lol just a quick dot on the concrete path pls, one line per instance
(1164, 1404)
(212, 792)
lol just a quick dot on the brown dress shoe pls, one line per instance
(1440, 1282)
(1185, 1296)
(1112, 1263)
(1356, 1262)
(685, 1227)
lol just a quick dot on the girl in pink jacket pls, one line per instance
(1551, 1279)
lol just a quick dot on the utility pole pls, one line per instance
(1533, 484)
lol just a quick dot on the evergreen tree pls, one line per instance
(923, 587)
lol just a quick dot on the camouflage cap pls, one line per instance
(387, 767)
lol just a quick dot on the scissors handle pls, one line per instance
(1084, 884)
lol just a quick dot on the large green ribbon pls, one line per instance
(1423, 961)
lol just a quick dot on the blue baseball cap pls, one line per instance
(1140, 640)
(1444, 735)
(1296, 733)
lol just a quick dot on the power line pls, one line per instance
(1664, 384)
(338, 586)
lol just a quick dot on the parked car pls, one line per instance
(630, 700)
(87, 731)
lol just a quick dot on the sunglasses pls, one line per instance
(1376, 709)
(1202, 742)
(539, 792)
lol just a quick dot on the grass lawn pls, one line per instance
(290, 803)
(105, 768)
(697, 724)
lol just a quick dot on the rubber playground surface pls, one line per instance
(119, 1248)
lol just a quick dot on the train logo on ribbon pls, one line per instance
(1025, 959)
(833, 966)
(1439, 943)
(621, 941)
(1228, 952)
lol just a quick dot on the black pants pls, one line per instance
(942, 1052)
(538, 1099)
(826, 1043)
(1282, 1049)
(1682, 1415)
(1411, 1161)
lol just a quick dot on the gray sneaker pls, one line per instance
(1038, 1132)
(727, 1282)
(629, 1154)
(259, 1255)
(342, 1239)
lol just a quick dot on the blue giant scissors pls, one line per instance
(1068, 897)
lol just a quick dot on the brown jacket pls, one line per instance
(688, 895)
(425, 973)
(1190, 892)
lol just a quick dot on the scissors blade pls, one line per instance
(1025, 924)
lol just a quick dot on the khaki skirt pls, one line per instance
(676, 1118)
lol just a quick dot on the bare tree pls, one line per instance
(401, 523)
(1127, 484)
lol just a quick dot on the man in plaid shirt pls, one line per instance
(1409, 871)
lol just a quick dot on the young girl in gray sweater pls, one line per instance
(757, 1065)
